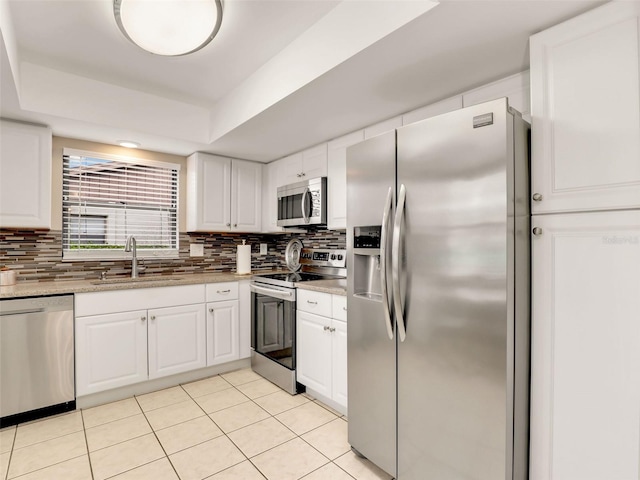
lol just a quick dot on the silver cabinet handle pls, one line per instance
(223, 292)
(395, 263)
(332, 329)
(143, 318)
(312, 303)
(228, 224)
(537, 197)
(388, 207)
(298, 175)
(344, 308)
(537, 231)
(211, 310)
(153, 317)
(325, 328)
(235, 224)
(303, 174)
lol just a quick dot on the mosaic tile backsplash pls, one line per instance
(37, 255)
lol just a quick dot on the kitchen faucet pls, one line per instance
(130, 246)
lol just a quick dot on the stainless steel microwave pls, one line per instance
(303, 203)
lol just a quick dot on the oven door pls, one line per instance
(273, 323)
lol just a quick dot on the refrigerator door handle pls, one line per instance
(395, 263)
(388, 206)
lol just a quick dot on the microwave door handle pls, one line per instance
(305, 194)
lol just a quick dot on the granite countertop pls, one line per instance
(335, 286)
(57, 287)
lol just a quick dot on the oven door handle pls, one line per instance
(271, 292)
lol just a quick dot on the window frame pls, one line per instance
(69, 255)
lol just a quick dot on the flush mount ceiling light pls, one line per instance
(128, 144)
(169, 27)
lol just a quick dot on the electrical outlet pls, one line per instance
(196, 250)
(263, 249)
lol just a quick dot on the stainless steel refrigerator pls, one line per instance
(438, 296)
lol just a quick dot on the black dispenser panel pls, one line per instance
(367, 237)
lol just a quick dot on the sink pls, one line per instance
(125, 281)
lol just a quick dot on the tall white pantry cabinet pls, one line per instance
(585, 176)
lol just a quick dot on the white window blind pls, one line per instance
(105, 199)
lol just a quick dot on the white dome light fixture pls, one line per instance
(169, 27)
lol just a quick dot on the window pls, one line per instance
(105, 199)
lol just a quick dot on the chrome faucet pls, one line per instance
(130, 246)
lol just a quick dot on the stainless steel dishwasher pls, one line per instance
(36, 358)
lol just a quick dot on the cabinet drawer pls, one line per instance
(314, 302)
(339, 307)
(222, 291)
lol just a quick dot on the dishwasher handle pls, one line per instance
(21, 312)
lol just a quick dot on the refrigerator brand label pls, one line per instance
(483, 120)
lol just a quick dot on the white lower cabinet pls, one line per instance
(125, 337)
(176, 339)
(321, 346)
(111, 351)
(222, 332)
(585, 351)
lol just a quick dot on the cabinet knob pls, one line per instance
(143, 318)
(332, 329)
(537, 197)
(153, 317)
(344, 308)
(228, 224)
(235, 224)
(211, 310)
(326, 327)
(537, 231)
(298, 175)
(302, 174)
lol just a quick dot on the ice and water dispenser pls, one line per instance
(366, 262)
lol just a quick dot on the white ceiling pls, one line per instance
(280, 76)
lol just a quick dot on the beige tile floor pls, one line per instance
(231, 426)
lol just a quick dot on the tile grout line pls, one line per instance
(166, 455)
(13, 442)
(86, 442)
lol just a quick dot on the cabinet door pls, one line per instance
(208, 193)
(222, 332)
(291, 169)
(111, 351)
(314, 162)
(585, 375)
(177, 341)
(585, 92)
(246, 199)
(337, 179)
(339, 361)
(313, 350)
(25, 176)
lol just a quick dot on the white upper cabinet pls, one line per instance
(337, 179)
(305, 165)
(246, 196)
(223, 194)
(444, 106)
(25, 176)
(585, 93)
(515, 88)
(585, 351)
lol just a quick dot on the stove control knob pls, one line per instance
(339, 257)
(333, 257)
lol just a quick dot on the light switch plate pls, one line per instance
(263, 249)
(196, 250)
